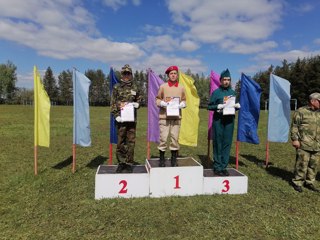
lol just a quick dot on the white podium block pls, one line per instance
(110, 184)
(236, 183)
(186, 179)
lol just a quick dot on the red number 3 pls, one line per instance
(124, 185)
(226, 186)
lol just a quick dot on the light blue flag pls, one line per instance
(81, 118)
(279, 109)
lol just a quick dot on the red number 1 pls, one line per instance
(123, 189)
(177, 182)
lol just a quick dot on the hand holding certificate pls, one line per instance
(127, 112)
(230, 102)
(173, 106)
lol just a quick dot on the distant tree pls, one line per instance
(65, 88)
(50, 85)
(98, 88)
(23, 96)
(140, 78)
(8, 79)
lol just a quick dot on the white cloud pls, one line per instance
(159, 63)
(317, 41)
(61, 30)
(210, 21)
(290, 56)
(247, 48)
(116, 4)
(189, 46)
(160, 43)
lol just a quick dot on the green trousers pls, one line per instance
(222, 141)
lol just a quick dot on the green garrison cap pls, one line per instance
(225, 73)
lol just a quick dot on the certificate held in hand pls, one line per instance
(127, 112)
(173, 107)
(229, 102)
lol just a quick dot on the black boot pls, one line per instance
(174, 154)
(162, 159)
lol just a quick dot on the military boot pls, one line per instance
(174, 154)
(162, 159)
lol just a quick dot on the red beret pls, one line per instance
(171, 68)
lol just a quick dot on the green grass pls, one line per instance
(57, 204)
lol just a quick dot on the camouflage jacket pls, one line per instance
(305, 128)
(124, 92)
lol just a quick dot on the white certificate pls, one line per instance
(173, 106)
(127, 112)
(229, 108)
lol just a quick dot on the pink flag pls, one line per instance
(214, 84)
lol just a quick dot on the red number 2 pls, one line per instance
(226, 185)
(177, 182)
(124, 185)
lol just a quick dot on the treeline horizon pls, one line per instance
(303, 74)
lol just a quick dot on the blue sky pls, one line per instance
(202, 35)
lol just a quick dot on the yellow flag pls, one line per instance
(190, 115)
(41, 112)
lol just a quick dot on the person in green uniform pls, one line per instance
(305, 136)
(222, 124)
(124, 92)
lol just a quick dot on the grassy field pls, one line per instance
(57, 204)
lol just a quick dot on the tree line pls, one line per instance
(303, 74)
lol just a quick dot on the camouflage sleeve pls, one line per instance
(139, 97)
(296, 121)
(113, 103)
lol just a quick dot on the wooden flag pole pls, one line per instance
(237, 154)
(73, 158)
(35, 160)
(110, 154)
(267, 154)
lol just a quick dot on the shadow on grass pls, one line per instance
(63, 164)
(255, 160)
(94, 163)
(281, 173)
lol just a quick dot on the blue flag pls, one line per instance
(279, 109)
(81, 118)
(249, 112)
(113, 129)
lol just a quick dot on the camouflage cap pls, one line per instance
(315, 95)
(126, 68)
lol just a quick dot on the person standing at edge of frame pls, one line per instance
(222, 125)
(171, 91)
(125, 93)
(305, 136)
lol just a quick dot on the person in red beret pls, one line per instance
(171, 99)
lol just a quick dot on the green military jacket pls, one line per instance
(124, 92)
(305, 128)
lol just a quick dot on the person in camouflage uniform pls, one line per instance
(305, 136)
(126, 91)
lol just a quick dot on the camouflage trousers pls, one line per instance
(126, 142)
(306, 167)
